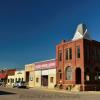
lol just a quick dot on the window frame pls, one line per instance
(78, 52)
(69, 72)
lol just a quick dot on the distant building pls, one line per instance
(78, 62)
(4, 73)
(17, 76)
(20, 75)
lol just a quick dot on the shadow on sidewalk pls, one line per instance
(6, 93)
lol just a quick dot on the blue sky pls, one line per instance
(30, 29)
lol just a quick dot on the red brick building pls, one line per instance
(78, 62)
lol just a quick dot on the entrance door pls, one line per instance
(78, 76)
(44, 80)
(27, 77)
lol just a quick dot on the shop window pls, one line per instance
(68, 73)
(78, 51)
(37, 80)
(51, 79)
(31, 78)
(12, 80)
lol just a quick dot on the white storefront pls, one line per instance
(18, 76)
(45, 73)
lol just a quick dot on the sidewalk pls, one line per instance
(65, 91)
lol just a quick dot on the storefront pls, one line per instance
(45, 73)
(19, 76)
(5, 73)
(29, 74)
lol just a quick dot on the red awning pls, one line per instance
(2, 76)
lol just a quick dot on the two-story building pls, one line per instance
(78, 62)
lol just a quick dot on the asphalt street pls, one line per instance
(40, 94)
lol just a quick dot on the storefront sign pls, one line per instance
(45, 65)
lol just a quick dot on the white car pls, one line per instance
(19, 84)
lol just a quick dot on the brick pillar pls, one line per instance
(82, 78)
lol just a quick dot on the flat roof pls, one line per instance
(44, 61)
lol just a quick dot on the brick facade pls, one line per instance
(84, 69)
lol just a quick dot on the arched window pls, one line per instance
(68, 73)
(19, 79)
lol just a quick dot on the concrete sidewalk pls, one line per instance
(65, 91)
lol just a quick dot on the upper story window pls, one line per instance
(67, 54)
(70, 53)
(60, 55)
(78, 51)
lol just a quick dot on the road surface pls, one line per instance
(40, 94)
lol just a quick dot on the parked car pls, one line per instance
(19, 84)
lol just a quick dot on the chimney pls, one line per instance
(63, 41)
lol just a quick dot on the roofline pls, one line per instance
(44, 61)
(40, 61)
(28, 64)
(19, 70)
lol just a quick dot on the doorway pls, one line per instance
(27, 77)
(44, 80)
(78, 76)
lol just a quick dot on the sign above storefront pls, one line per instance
(45, 64)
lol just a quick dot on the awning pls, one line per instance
(3, 76)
